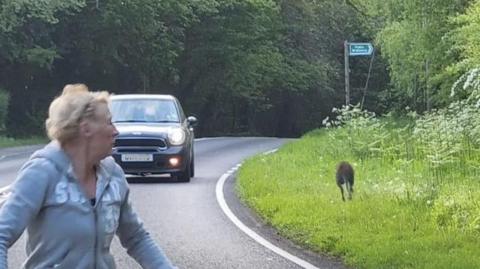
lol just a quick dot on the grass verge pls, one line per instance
(6, 142)
(405, 213)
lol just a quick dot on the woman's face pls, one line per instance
(103, 132)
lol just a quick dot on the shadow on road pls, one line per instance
(152, 179)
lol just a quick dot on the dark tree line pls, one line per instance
(257, 67)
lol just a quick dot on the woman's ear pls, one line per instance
(85, 129)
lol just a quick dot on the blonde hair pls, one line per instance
(67, 111)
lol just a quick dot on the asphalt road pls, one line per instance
(186, 219)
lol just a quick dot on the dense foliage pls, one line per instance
(269, 67)
(257, 66)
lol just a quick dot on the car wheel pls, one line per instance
(184, 176)
(192, 168)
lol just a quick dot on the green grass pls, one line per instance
(6, 142)
(407, 212)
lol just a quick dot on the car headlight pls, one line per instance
(176, 136)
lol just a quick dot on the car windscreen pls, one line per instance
(144, 110)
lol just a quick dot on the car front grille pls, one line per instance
(140, 142)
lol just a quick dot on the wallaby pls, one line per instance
(345, 176)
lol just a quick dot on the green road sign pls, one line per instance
(359, 49)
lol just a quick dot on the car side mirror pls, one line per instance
(192, 121)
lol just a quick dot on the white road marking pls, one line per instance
(204, 138)
(13, 154)
(270, 151)
(223, 204)
(5, 189)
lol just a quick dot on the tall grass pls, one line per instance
(416, 201)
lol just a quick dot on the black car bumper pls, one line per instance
(159, 163)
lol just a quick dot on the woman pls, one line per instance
(72, 197)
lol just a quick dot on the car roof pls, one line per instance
(142, 96)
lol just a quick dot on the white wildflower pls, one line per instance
(325, 121)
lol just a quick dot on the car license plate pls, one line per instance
(137, 157)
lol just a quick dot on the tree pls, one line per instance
(27, 54)
(413, 38)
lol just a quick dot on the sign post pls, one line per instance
(353, 49)
(347, 73)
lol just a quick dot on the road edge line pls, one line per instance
(259, 239)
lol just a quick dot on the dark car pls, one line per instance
(154, 137)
